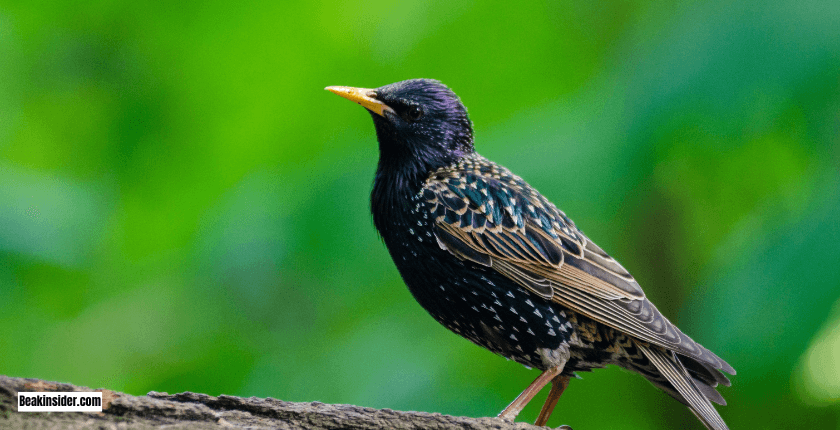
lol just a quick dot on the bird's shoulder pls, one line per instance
(483, 195)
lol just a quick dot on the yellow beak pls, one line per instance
(362, 96)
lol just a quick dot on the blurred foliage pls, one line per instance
(182, 206)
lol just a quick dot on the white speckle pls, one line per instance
(474, 293)
(562, 314)
(513, 337)
(513, 310)
(551, 332)
(494, 296)
(498, 303)
(519, 348)
(523, 320)
(419, 223)
(547, 324)
(529, 303)
(419, 238)
(442, 289)
(537, 313)
(484, 306)
(463, 298)
(530, 332)
(497, 318)
(509, 294)
(428, 233)
(411, 230)
(515, 329)
(475, 308)
(555, 319)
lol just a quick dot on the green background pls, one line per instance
(183, 207)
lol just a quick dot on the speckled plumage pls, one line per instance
(494, 261)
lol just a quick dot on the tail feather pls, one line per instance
(709, 392)
(688, 387)
(704, 371)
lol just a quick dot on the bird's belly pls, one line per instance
(490, 310)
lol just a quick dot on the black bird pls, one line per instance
(494, 261)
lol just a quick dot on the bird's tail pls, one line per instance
(691, 391)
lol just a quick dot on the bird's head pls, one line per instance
(421, 124)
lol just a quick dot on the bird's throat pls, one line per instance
(391, 196)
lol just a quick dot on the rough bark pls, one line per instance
(200, 411)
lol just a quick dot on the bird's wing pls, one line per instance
(487, 215)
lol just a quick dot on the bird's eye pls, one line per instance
(414, 112)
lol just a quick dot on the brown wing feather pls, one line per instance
(537, 246)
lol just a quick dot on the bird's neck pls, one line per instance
(392, 192)
(399, 178)
(404, 165)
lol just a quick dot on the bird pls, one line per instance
(493, 260)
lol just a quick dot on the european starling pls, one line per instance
(494, 261)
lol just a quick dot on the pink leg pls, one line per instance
(515, 407)
(558, 384)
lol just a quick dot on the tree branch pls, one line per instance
(200, 411)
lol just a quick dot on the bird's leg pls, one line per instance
(558, 384)
(515, 407)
